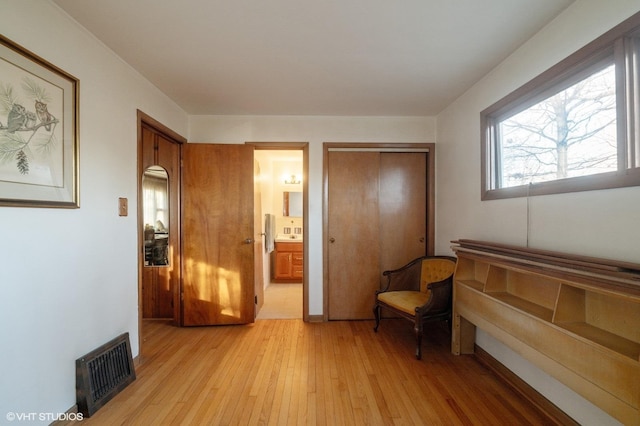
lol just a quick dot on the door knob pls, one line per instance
(332, 240)
(248, 241)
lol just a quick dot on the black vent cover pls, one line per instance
(102, 373)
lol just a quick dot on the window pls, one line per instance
(575, 127)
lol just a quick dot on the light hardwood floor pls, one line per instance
(288, 372)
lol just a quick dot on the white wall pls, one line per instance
(69, 278)
(315, 130)
(596, 223)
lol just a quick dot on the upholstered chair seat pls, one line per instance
(405, 301)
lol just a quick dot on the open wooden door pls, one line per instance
(217, 234)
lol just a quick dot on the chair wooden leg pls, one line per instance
(418, 331)
(376, 313)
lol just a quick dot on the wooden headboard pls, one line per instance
(575, 317)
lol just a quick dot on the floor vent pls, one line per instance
(102, 373)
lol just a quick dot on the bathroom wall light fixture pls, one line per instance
(293, 180)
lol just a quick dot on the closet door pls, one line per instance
(353, 232)
(403, 208)
(217, 234)
(377, 209)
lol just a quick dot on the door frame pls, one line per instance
(428, 148)
(304, 147)
(143, 118)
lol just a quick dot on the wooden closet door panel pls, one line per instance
(403, 208)
(353, 231)
(217, 229)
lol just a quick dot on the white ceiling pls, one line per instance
(322, 57)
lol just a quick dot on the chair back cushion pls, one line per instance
(434, 270)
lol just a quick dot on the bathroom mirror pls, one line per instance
(155, 204)
(292, 204)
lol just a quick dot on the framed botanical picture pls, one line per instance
(38, 131)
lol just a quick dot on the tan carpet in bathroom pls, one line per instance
(282, 301)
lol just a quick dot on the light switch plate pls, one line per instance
(123, 206)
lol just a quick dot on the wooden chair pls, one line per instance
(420, 291)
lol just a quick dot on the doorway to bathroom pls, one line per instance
(281, 206)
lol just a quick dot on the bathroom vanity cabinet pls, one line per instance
(287, 261)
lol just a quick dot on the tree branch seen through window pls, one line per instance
(572, 133)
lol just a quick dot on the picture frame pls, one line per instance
(38, 131)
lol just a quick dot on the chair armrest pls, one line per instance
(440, 297)
(436, 286)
